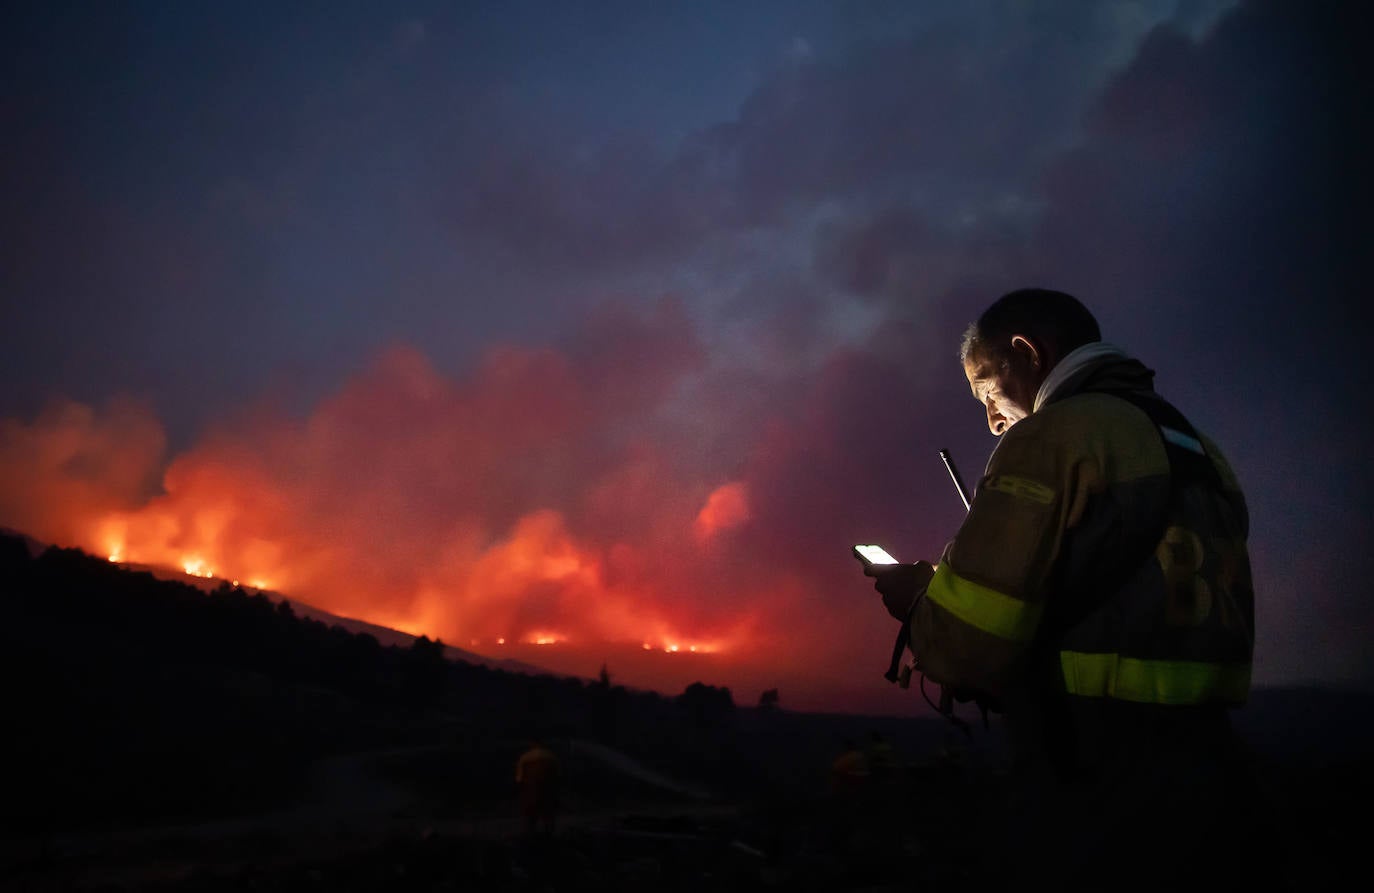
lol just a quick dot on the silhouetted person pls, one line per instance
(882, 759)
(849, 772)
(537, 775)
(887, 789)
(847, 817)
(953, 753)
(1099, 590)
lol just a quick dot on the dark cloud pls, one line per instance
(951, 115)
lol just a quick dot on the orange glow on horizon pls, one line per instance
(538, 550)
(197, 567)
(113, 545)
(439, 532)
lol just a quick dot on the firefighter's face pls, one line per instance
(1005, 386)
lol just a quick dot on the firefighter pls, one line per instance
(1099, 594)
(536, 775)
(849, 772)
(849, 815)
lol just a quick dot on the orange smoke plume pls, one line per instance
(442, 507)
(727, 506)
(544, 500)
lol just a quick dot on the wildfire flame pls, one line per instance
(197, 567)
(437, 532)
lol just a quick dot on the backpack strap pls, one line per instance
(1188, 459)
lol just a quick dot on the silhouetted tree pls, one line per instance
(427, 650)
(13, 552)
(768, 701)
(707, 705)
(426, 671)
(607, 702)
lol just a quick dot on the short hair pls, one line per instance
(1051, 318)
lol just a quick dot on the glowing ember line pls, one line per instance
(197, 567)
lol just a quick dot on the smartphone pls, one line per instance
(871, 555)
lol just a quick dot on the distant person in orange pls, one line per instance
(849, 772)
(846, 819)
(882, 758)
(536, 774)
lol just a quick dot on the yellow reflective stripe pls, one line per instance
(983, 608)
(1177, 682)
(1021, 488)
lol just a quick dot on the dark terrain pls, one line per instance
(168, 739)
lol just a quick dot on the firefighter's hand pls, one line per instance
(901, 585)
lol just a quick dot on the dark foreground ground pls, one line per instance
(378, 833)
(399, 820)
(164, 739)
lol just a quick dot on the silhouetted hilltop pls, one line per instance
(149, 699)
(382, 634)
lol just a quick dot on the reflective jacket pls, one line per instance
(1089, 578)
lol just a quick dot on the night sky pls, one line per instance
(613, 325)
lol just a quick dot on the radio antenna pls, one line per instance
(954, 476)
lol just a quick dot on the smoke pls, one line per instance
(74, 465)
(542, 497)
